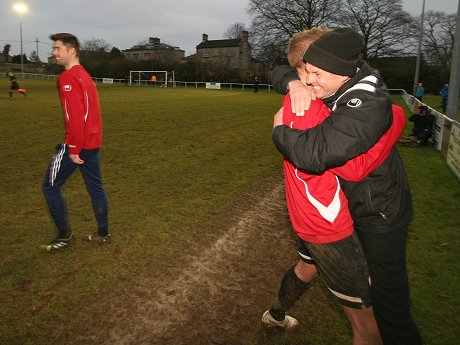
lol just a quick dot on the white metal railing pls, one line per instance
(171, 83)
(446, 131)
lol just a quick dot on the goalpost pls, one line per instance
(164, 78)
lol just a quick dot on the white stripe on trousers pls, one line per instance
(56, 164)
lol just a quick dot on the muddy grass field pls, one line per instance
(218, 295)
(201, 236)
(200, 230)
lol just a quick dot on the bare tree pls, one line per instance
(6, 52)
(96, 45)
(33, 57)
(438, 38)
(143, 42)
(94, 54)
(386, 28)
(292, 16)
(275, 21)
(234, 30)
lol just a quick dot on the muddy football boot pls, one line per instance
(57, 244)
(288, 323)
(96, 238)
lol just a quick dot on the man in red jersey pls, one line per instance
(83, 138)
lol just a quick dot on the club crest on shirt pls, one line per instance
(67, 87)
(354, 103)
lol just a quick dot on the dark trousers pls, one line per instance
(444, 106)
(386, 258)
(59, 171)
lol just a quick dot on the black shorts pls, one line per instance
(343, 267)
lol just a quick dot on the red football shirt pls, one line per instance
(82, 113)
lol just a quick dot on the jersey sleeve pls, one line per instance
(74, 106)
(361, 166)
(282, 75)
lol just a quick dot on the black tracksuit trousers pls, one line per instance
(386, 258)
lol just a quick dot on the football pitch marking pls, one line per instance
(169, 304)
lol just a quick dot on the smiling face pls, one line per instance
(324, 83)
(64, 55)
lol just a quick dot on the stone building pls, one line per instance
(154, 50)
(230, 53)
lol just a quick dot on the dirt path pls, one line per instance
(218, 297)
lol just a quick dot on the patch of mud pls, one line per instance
(219, 296)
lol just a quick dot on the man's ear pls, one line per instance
(344, 78)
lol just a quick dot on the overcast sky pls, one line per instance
(123, 24)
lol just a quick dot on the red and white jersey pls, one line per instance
(82, 113)
(317, 206)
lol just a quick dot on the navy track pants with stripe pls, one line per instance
(59, 170)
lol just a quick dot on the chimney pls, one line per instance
(244, 36)
(154, 40)
(205, 38)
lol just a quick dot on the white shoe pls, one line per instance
(289, 323)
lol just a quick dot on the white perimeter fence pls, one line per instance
(446, 132)
(170, 83)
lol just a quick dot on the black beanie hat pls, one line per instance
(338, 51)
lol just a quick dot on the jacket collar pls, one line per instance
(363, 70)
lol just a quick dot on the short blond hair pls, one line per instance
(299, 43)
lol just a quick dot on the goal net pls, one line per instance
(144, 78)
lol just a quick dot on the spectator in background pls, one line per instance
(256, 85)
(423, 128)
(444, 96)
(419, 91)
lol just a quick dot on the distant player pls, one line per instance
(10, 75)
(15, 87)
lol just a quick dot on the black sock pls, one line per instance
(103, 232)
(290, 290)
(64, 234)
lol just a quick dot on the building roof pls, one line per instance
(161, 46)
(189, 58)
(153, 44)
(219, 43)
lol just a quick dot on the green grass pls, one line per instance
(174, 161)
(434, 240)
(434, 101)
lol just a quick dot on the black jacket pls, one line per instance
(361, 114)
(422, 124)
